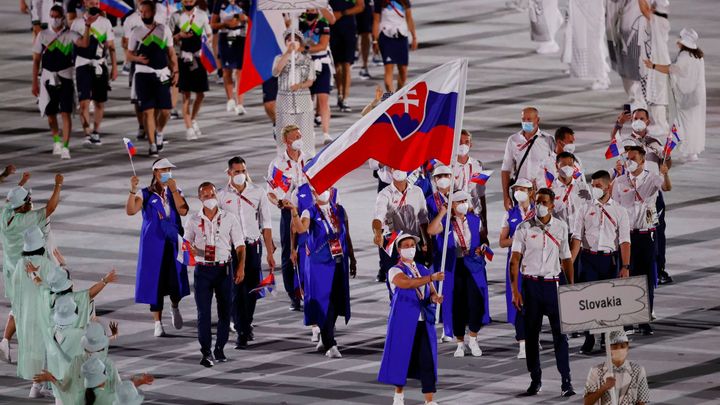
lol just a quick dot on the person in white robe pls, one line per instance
(545, 21)
(627, 33)
(687, 93)
(654, 83)
(584, 49)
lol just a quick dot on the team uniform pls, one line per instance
(151, 82)
(364, 19)
(511, 220)
(193, 76)
(231, 44)
(463, 181)
(91, 71)
(57, 91)
(394, 32)
(541, 147)
(322, 61)
(343, 34)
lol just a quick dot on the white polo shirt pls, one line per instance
(251, 207)
(542, 247)
(568, 200)
(532, 168)
(223, 231)
(637, 195)
(292, 170)
(401, 211)
(602, 231)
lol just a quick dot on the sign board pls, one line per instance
(291, 5)
(603, 304)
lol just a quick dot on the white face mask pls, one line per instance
(462, 208)
(408, 253)
(443, 182)
(619, 355)
(463, 149)
(597, 193)
(567, 171)
(239, 179)
(56, 22)
(324, 196)
(521, 196)
(631, 166)
(569, 148)
(210, 203)
(296, 144)
(542, 211)
(399, 175)
(638, 125)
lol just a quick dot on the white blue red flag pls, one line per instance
(265, 286)
(184, 255)
(416, 124)
(117, 8)
(390, 245)
(206, 56)
(482, 177)
(264, 41)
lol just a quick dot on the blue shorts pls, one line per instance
(231, 51)
(62, 98)
(342, 45)
(394, 51)
(270, 89)
(90, 86)
(365, 20)
(151, 93)
(322, 81)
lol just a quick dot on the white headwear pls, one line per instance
(16, 196)
(57, 279)
(662, 6)
(95, 339)
(460, 195)
(127, 394)
(64, 311)
(163, 164)
(93, 371)
(618, 336)
(689, 37)
(405, 236)
(440, 170)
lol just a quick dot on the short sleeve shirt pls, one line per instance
(57, 49)
(637, 195)
(152, 42)
(101, 31)
(313, 31)
(198, 24)
(542, 246)
(345, 23)
(400, 211)
(630, 383)
(223, 232)
(251, 207)
(226, 10)
(392, 17)
(532, 168)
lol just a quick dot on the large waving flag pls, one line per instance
(414, 125)
(117, 8)
(263, 43)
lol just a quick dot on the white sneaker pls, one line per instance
(232, 327)
(600, 85)
(35, 391)
(460, 351)
(65, 153)
(319, 347)
(5, 350)
(327, 138)
(474, 348)
(521, 351)
(333, 353)
(446, 339)
(57, 148)
(693, 157)
(548, 47)
(177, 319)
(190, 134)
(240, 110)
(159, 330)
(46, 392)
(230, 106)
(399, 399)
(196, 128)
(315, 334)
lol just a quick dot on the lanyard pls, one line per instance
(459, 235)
(633, 183)
(607, 214)
(567, 193)
(217, 230)
(438, 201)
(402, 200)
(390, 3)
(529, 214)
(521, 147)
(549, 235)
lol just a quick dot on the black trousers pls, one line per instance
(597, 266)
(336, 306)
(422, 361)
(168, 282)
(660, 231)
(540, 298)
(288, 270)
(211, 280)
(642, 259)
(243, 301)
(468, 303)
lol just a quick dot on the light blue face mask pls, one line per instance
(164, 177)
(527, 126)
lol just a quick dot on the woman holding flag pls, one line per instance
(192, 31)
(158, 272)
(522, 192)
(465, 291)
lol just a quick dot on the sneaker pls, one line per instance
(219, 356)
(376, 60)
(381, 276)
(230, 106)
(232, 327)
(240, 110)
(548, 47)
(35, 391)
(399, 399)
(219, 80)
(153, 150)
(190, 134)
(588, 345)
(460, 351)
(174, 115)
(521, 351)
(177, 319)
(600, 85)
(534, 388)
(5, 350)
(159, 330)
(327, 139)
(87, 142)
(567, 390)
(241, 343)
(207, 362)
(125, 69)
(693, 157)
(196, 128)
(343, 106)
(333, 353)
(315, 334)
(474, 347)
(46, 392)
(159, 140)
(320, 346)
(318, 121)
(95, 139)
(65, 153)
(57, 148)
(364, 74)
(446, 339)
(140, 134)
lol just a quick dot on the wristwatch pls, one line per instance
(625, 266)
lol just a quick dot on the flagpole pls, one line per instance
(456, 140)
(133, 167)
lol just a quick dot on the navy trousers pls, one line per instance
(660, 230)
(336, 306)
(211, 280)
(540, 298)
(597, 266)
(642, 259)
(422, 362)
(243, 301)
(288, 271)
(468, 303)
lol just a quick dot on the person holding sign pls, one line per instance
(542, 245)
(600, 229)
(466, 289)
(627, 378)
(411, 343)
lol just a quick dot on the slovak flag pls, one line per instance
(264, 41)
(266, 283)
(481, 178)
(417, 123)
(670, 144)
(489, 254)
(117, 8)
(612, 150)
(129, 147)
(390, 245)
(279, 180)
(549, 178)
(184, 255)
(577, 173)
(206, 57)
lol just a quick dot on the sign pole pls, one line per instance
(294, 24)
(611, 373)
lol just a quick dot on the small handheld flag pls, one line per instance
(206, 57)
(279, 180)
(576, 173)
(268, 283)
(481, 178)
(390, 245)
(131, 152)
(184, 255)
(117, 8)
(489, 254)
(675, 133)
(549, 178)
(670, 144)
(612, 150)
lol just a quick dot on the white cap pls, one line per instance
(127, 394)
(33, 239)
(440, 170)
(618, 336)
(64, 311)
(16, 196)
(405, 236)
(630, 142)
(522, 182)
(57, 279)
(460, 195)
(95, 339)
(662, 6)
(93, 371)
(162, 164)
(689, 37)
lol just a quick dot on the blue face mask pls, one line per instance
(528, 126)
(164, 177)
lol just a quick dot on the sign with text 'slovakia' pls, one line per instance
(288, 5)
